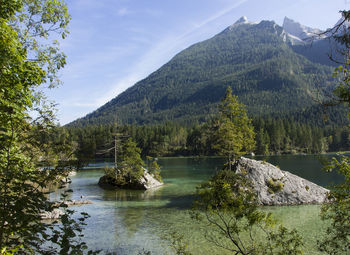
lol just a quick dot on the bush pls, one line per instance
(274, 186)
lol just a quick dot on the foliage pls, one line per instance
(228, 203)
(153, 167)
(337, 212)
(342, 91)
(129, 167)
(340, 34)
(6, 251)
(28, 164)
(35, 22)
(274, 185)
(234, 133)
(110, 171)
(178, 244)
(131, 163)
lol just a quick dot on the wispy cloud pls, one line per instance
(118, 87)
(79, 104)
(123, 11)
(160, 50)
(214, 17)
(127, 11)
(154, 12)
(87, 4)
(159, 54)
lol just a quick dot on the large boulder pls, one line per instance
(277, 187)
(147, 181)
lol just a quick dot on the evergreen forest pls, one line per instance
(273, 136)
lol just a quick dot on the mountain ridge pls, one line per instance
(255, 59)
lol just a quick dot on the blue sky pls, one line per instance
(115, 43)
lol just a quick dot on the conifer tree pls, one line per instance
(130, 160)
(234, 131)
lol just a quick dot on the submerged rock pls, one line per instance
(78, 202)
(74, 202)
(57, 213)
(277, 187)
(54, 214)
(147, 181)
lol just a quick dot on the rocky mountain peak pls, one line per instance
(241, 20)
(299, 31)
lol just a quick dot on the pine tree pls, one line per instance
(130, 160)
(234, 131)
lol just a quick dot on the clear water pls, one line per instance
(126, 222)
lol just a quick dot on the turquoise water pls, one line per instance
(127, 221)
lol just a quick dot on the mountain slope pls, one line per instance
(256, 60)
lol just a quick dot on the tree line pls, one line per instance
(273, 136)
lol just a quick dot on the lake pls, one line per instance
(126, 222)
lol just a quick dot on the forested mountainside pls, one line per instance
(268, 72)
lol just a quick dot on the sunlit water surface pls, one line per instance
(126, 222)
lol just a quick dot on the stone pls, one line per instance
(74, 202)
(72, 173)
(278, 187)
(57, 212)
(54, 214)
(149, 182)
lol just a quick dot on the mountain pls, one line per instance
(258, 60)
(299, 32)
(314, 44)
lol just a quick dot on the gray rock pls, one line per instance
(72, 173)
(277, 187)
(75, 202)
(55, 214)
(149, 182)
(300, 31)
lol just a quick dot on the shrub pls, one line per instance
(274, 185)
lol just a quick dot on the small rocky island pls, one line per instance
(277, 187)
(129, 172)
(144, 182)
